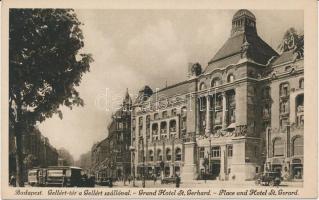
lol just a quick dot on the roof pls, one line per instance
(243, 12)
(258, 51)
(284, 57)
(169, 91)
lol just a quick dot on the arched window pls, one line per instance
(159, 155)
(172, 126)
(168, 154)
(298, 146)
(163, 127)
(216, 82)
(155, 129)
(279, 147)
(164, 114)
(202, 86)
(230, 78)
(173, 112)
(178, 154)
(301, 83)
(151, 155)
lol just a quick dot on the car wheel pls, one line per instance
(271, 183)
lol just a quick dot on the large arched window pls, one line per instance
(298, 146)
(168, 154)
(202, 86)
(216, 82)
(230, 78)
(279, 147)
(159, 155)
(178, 154)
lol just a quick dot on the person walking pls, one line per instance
(154, 179)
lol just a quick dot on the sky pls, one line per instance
(133, 48)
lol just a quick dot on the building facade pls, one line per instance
(227, 120)
(111, 157)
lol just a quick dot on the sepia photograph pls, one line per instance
(156, 98)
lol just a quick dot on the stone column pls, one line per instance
(222, 161)
(208, 118)
(197, 115)
(224, 123)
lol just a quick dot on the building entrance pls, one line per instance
(215, 168)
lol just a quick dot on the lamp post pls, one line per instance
(132, 149)
(143, 171)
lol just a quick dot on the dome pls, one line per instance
(244, 12)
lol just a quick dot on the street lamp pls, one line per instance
(132, 149)
(143, 171)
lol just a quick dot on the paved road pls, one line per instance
(202, 184)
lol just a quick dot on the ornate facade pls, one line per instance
(228, 120)
(111, 157)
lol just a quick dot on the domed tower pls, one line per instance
(243, 21)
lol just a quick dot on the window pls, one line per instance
(163, 127)
(148, 119)
(283, 122)
(155, 129)
(140, 121)
(184, 111)
(164, 114)
(178, 154)
(279, 147)
(216, 152)
(202, 86)
(201, 152)
(301, 83)
(298, 146)
(284, 89)
(284, 107)
(300, 103)
(168, 154)
(230, 150)
(172, 126)
(156, 116)
(216, 82)
(173, 112)
(230, 78)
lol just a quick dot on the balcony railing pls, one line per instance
(300, 109)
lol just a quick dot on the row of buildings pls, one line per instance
(37, 152)
(111, 156)
(243, 113)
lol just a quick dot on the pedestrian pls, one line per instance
(63, 181)
(124, 180)
(129, 179)
(13, 181)
(178, 181)
(154, 179)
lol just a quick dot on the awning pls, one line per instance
(231, 127)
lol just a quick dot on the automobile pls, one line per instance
(64, 176)
(33, 178)
(105, 182)
(167, 180)
(269, 178)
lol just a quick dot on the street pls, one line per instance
(200, 184)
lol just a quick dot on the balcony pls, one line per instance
(300, 109)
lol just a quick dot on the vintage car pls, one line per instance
(64, 176)
(33, 177)
(269, 178)
(167, 180)
(105, 182)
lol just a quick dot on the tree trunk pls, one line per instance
(19, 158)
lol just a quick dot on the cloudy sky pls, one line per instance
(133, 48)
